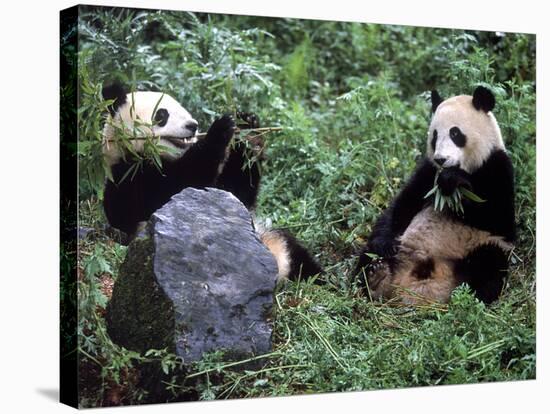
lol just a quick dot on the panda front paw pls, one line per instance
(222, 129)
(451, 178)
(248, 120)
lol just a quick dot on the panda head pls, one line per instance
(463, 132)
(147, 114)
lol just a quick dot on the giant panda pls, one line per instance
(135, 190)
(417, 254)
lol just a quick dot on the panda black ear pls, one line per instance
(116, 92)
(483, 99)
(436, 100)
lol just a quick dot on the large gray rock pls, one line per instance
(198, 279)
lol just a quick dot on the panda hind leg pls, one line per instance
(484, 270)
(374, 276)
(371, 270)
(302, 264)
(294, 261)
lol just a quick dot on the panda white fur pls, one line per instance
(134, 194)
(424, 254)
(171, 122)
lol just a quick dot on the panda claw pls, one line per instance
(249, 119)
(375, 265)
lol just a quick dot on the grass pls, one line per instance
(352, 101)
(326, 341)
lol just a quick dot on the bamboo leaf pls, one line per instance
(468, 194)
(432, 191)
(455, 197)
(437, 200)
(461, 208)
(127, 173)
(156, 158)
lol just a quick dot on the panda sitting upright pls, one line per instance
(421, 254)
(137, 190)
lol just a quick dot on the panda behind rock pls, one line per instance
(424, 254)
(134, 194)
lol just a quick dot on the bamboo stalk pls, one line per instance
(261, 131)
(258, 131)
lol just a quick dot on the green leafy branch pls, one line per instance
(454, 201)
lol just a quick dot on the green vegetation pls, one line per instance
(352, 99)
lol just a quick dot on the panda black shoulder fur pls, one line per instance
(133, 195)
(424, 254)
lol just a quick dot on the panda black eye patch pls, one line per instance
(457, 136)
(161, 117)
(434, 139)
